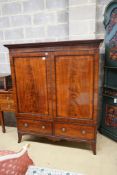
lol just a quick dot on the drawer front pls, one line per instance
(34, 126)
(75, 131)
(6, 102)
(8, 106)
(4, 97)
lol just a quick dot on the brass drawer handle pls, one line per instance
(43, 58)
(63, 129)
(25, 125)
(83, 132)
(43, 127)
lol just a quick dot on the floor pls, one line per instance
(64, 155)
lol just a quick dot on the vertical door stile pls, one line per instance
(48, 78)
(53, 87)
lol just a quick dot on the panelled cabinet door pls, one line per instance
(32, 84)
(74, 84)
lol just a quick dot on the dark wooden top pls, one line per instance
(52, 44)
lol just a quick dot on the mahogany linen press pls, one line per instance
(55, 87)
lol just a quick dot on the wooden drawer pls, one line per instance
(6, 102)
(6, 96)
(74, 131)
(35, 126)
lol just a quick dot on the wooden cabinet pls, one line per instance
(6, 104)
(6, 101)
(56, 89)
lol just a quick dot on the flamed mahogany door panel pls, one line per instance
(74, 86)
(31, 79)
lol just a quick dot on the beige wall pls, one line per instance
(82, 17)
(48, 20)
(23, 21)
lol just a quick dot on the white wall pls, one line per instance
(82, 19)
(23, 21)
